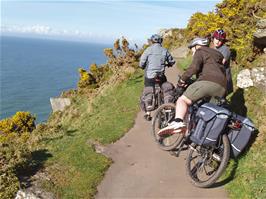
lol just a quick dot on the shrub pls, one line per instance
(236, 17)
(21, 122)
(121, 60)
(14, 150)
(86, 79)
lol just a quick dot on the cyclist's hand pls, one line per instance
(181, 83)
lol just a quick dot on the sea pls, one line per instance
(33, 70)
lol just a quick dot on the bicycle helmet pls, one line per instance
(156, 38)
(198, 41)
(220, 35)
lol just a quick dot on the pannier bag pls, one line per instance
(239, 138)
(168, 92)
(210, 122)
(147, 99)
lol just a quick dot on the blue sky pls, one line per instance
(97, 21)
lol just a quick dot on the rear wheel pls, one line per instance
(162, 117)
(205, 165)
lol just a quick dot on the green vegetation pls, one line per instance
(184, 63)
(74, 166)
(14, 150)
(104, 107)
(236, 17)
(102, 110)
(247, 173)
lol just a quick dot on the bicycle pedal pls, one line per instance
(174, 153)
(147, 117)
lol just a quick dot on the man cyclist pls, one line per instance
(154, 60)
(219, 39)
(211, 81)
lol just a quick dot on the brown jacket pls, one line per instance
(207, 65)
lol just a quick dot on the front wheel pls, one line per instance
(204, 165)
(162, 117)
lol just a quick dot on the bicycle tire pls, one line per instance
(170, 142)
(194, 179)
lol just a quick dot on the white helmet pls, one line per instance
(198, 41)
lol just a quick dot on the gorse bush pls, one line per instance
(14, 150)
(21, 122)
(236, 17)
(86, 79)
(121, 60)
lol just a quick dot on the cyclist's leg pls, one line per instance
(201, 89)
(192, 94)
(182, 105)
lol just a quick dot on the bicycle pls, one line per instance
(162, 117)
(207, 158)
(157, 99)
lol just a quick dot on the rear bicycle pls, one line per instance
(154, 97)
(162, 117)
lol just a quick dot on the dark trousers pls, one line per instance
(151, 82)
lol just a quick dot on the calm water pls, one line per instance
(33, 70)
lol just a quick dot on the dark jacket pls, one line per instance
(207, 65)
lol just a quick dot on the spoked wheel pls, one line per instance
(205, 165)
(162, 117)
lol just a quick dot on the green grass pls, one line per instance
(74, 167)
(248, 178)
(184, 63)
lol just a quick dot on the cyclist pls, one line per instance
(219, 39)
(211, 81)
(154, 60)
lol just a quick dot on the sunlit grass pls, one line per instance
(75, 168)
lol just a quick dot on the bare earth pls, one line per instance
(142, 170)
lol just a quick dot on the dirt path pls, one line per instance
(142, 170)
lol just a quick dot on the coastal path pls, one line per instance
(142, 170)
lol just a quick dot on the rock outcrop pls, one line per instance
(254, 77)
(244, 79)
(260, 34)
(180, 53)
(59, 104)
(166, 33)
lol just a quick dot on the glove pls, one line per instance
(181, 83)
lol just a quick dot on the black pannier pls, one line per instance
(147, 99)
(211, 121)
(168, 92)
(239, 138)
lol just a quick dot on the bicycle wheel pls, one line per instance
(163, 115)
(204, 165)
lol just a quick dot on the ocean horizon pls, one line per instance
(33, 70)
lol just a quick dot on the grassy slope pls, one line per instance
(75, 168)
(246, 175)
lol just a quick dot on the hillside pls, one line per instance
(56, 156)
